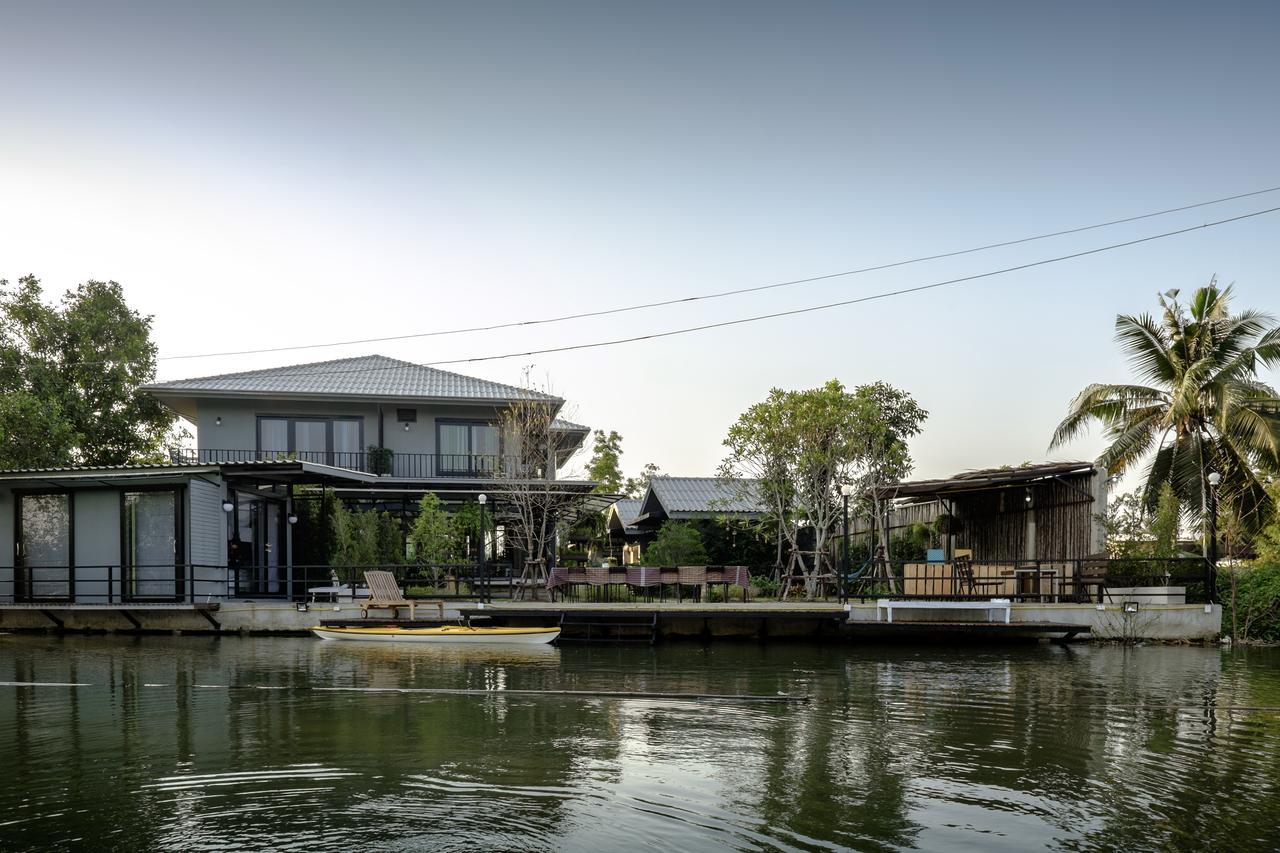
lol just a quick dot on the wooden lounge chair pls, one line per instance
(385, 594)
(964, 571)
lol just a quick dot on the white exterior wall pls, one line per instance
(97, 543)
(206, 528)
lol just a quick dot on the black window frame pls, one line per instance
(25, 595)
(179, 544)
(471, 455)
(292, 435)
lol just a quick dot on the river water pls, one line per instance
(241, 743)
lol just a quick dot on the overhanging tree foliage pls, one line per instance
(69, 378)
(605, 467)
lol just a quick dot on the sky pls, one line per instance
(273, 174)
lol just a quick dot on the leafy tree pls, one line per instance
(366, 537)
(678, 543)
(1165, 522)
(435, 533)
(886, 418)
(796, 449)
(605, 465)
(70, 377)
(635, 487)
(1202, 408)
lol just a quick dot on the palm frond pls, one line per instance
(1148, 346)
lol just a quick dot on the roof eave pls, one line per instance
(160, 392)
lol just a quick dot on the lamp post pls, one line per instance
(845, 491)
(484, 563)
(1214, 479)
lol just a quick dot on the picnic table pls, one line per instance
(637, 578)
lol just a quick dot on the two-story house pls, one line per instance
(373, 428)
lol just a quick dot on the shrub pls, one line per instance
(1250, 596)
(677, 544)
(764, 585)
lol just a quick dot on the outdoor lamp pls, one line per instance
(406, 427)
(846, 490)
(1214, 479)
(217, 421)
(227, 506)
(482, 498)
(293, 518)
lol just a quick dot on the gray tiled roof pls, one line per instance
(363, 376)
(703, 495)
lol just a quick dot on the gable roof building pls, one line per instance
(686, 498)
(363, 378)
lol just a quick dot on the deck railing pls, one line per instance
(190, 583)
(1154, 580)
(1190, 581)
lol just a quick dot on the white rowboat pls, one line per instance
(443, 634)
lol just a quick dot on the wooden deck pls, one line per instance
(124, 609)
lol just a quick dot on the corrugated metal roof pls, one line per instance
(989, 478)
(131, 466)
(363, 376)
(705, 495)
(627, 510)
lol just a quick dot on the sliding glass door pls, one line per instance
(45, 557)
(151, 546)
(467, 448)
(257, 547)
(326, 440)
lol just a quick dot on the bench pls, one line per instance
(888, 606)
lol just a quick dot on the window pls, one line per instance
(149, 545)
(467, 448)
(328, 440)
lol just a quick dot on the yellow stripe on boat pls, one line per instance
(442, 634)
(445, 629)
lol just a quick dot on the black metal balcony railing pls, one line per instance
(201, 583)
(387, 463)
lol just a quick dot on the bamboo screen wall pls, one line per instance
(993, 522)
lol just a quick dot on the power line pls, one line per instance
(794, 311)
(842, 303)
(718, 294)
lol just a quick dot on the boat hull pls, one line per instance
(445, 634)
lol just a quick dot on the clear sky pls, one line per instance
(268, 174)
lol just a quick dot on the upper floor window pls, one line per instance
(329, 440)
(467, 447)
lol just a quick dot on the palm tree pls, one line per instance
(1203, 408)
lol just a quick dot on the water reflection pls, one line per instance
(200, 743)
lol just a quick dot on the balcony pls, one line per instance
(385, 463)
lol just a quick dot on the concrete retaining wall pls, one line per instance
(1187, 622)
(1105, 622)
